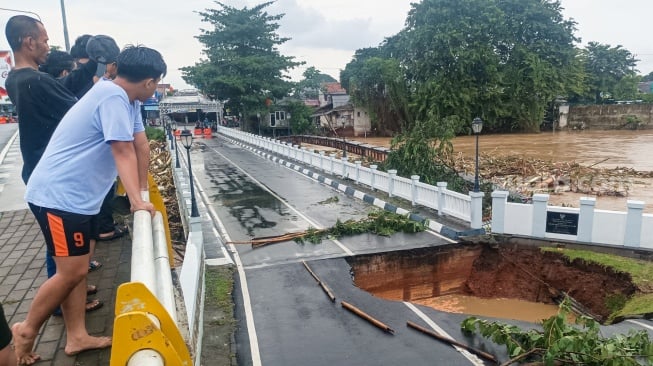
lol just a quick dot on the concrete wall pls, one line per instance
(610, 116)
(631, 228)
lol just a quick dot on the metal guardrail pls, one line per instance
(438, 197)
(145, 331)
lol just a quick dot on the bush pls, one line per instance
(154, 133)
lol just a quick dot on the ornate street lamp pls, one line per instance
(187, 141)
(173, 142)
(477, 126)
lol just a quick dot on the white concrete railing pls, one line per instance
(633, 229)
(191, 275)
(461, 206)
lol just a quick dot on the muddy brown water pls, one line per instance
(510, 282)
(610, 149)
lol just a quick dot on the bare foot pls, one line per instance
(86, 344)
(23, 344)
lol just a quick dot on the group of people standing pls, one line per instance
(80, 127)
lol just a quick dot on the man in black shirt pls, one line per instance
(40, 100)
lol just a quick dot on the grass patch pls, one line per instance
(219, 286)
(640, 271)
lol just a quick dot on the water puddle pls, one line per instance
(496, 308)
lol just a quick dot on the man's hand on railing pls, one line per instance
(143, 205)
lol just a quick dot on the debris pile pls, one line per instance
(161, 171)
(528, 176)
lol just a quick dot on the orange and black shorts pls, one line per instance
(66, 234)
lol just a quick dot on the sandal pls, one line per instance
(91, 289)
(118, 232)
(91, 305)
(93, 266)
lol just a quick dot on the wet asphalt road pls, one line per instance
(284, 318)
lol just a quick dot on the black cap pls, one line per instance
(102, 49)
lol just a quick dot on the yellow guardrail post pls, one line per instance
(135, 328)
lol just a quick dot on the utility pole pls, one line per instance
(65, 26)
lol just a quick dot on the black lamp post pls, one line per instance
(173, 142)
(477, 126)
(344, 141)
(187, 141)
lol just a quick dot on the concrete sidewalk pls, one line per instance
(22, 270)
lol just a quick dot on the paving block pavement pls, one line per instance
(22, 271)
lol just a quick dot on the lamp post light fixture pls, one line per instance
(344, 141)
(187, 142)
(173, 142)
(477, 126)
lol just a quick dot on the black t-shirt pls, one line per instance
(41, 102)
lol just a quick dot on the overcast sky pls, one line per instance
(325, 34)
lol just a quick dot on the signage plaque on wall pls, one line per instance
(562, 223)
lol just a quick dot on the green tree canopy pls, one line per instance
(501, 60)
(243, 65)
(610, 72)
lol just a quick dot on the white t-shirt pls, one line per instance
(77, 168)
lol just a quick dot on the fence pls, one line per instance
(586, 224)
(461, 206)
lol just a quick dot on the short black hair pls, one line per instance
(57, 62)
(78, 50)
(18, 28)
(137, 63)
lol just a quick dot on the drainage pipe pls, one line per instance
(147, 357)
(142, 261)
(164, 292)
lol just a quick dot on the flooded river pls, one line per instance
(607, 149)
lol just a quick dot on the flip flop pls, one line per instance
(91, 289)
(91, 305)
(118, 232)
(94, 265)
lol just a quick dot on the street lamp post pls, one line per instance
(477, 126)
(187, 141)
(173, 142)
(344, 141)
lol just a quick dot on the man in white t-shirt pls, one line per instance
(94, 142)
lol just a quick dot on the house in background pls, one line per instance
(337, 114)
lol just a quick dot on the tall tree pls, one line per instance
(378, 84)
(243, 65)
(309, 86)
(610, 71)
(502, 61)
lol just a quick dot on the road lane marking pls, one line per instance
(640, 324)
(292, 208)
(471, 357)
(244, 288)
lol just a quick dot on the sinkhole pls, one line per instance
(507, 281)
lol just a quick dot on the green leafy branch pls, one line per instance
(378, 222)
(563, 343)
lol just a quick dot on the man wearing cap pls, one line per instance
(64, 203)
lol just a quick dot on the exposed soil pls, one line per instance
(486, 271)
(533, 275)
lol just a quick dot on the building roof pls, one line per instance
(334, 88)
